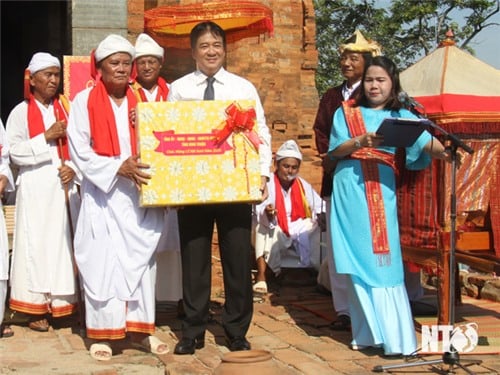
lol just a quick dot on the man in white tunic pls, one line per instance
(6, 184)
(149, 86)
(115, 239)
(42, 278)
(287, 221)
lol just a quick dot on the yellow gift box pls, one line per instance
(199, 152)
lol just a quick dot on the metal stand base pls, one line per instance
(451, 359)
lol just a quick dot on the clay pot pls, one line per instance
(247, 362)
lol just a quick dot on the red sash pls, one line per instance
(300, 208)
(369, 159)
(103, 131)
(35, 119)
(161, 94)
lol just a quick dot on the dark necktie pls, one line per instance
(209, 91)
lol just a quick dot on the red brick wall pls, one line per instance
(282, 67)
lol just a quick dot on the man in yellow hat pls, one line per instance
(354, 54)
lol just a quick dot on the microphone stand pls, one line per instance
(452, 357)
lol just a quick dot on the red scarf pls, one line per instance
(161, 94)
(300, 208)
(103, 131)
(35, 120)
(369, 159)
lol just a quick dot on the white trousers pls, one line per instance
(24, 300)
(168, 261)
(168, 276)
(111, 319)
(279, 250)
(338, 282)
(3, 295)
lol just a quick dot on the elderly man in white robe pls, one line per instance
(42, 279)
(115, 240)
(289, 221)
(6, 185)
(149, 86)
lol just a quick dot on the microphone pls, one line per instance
(412, 105)
(409, 102)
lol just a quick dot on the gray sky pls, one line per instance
(486, 44)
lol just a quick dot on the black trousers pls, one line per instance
(196, 228)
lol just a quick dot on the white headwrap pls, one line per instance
(289, 149)
(42, 60)
(113, 43)
(146, 46)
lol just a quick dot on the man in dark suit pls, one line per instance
(210, 81)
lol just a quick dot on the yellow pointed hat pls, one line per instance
(358, 43)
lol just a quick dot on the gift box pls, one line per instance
(199, 152)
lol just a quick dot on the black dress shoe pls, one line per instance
(343, 323)
(188, 346)
(421, 308)
(238, 343)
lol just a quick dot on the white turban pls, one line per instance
(289, 149)
(42, 60)
(113, 43)
(146, 46)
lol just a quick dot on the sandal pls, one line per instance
(6, 331)
(152, 344)
(343, 323)
(41, 325)
(101, 351)
(260, 287)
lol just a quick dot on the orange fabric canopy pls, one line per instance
(171, 25)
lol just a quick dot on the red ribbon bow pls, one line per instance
(238, 121)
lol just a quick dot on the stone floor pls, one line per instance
(300, 342)
(480, 285)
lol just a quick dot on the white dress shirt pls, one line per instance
(227, 86)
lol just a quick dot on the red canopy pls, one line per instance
(170, 25)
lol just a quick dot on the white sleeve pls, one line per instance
(4, 159)
(265, 153)
(25, 151)
(100, 170)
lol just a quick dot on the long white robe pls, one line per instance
(4, 241)
(168, 259)
(273, 244)
(41, 261)
(115, 239)
(168, 256)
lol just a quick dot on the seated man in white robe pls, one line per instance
(287, 222)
